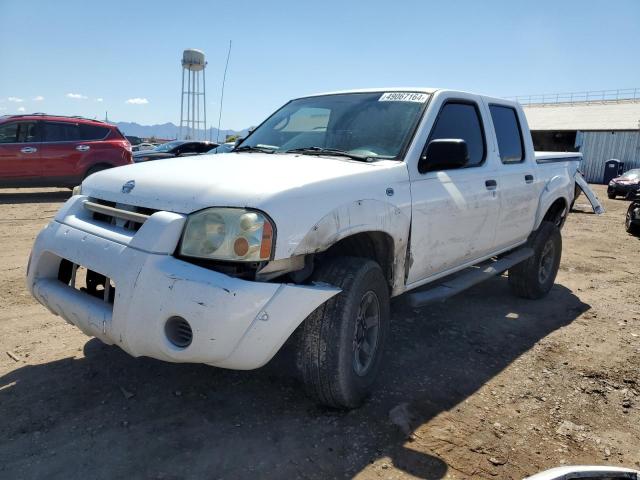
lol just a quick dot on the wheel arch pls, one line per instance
(97, 167)
(364, 228)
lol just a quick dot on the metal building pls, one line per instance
(601, 125)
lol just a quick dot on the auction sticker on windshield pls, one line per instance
(404, 97)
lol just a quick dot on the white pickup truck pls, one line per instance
(333, 205)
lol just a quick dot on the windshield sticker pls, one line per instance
(404, 97)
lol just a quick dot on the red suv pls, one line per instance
(55, 151)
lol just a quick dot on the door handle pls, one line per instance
(29, 150)
(83, 148)
(528, 178)
(491, 184)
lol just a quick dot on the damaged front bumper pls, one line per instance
(235, 323)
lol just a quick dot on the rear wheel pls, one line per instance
(340, 345)
(534, 277)
(96, 168)
(632, 219)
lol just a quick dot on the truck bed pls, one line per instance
(549, 157)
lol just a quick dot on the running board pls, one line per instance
(467, 278)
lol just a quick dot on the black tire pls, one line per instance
(611, 195)
(331, 343)
(631, 225)
(96, 168)
(534, 277)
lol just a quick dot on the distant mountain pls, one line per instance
(169, 131)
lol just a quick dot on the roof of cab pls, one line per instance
(374, 90)
(428, 90)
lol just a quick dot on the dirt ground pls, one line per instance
(487, 385)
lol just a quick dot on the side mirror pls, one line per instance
(444, 154)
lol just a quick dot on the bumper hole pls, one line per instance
(178, 332)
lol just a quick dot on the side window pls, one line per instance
(18, 132)
(508, 132)
(189, 148)
(61, 132)
(92, 132)
(462, 120)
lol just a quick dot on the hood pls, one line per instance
(626, 180)
(256, 180)
(151, 154)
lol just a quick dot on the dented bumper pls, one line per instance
(235, 323)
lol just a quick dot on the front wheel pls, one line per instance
(632, 218)
(340, 345)
(534, 277)
(611, 195)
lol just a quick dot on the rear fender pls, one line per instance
(557, 187)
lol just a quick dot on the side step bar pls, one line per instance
(469, 277)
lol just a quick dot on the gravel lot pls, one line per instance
(483, 386)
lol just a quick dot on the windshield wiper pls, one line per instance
(250, 148)
(328, 151)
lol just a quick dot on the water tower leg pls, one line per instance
(204, 103)
(181, 105)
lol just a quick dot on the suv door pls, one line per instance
(19, 153)
(62, 153)
(455, 211)
(519, 186)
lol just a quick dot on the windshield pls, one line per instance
(165, 147)
(367, 124)
(632, 174)
(224, 148)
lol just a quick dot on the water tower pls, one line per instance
(193, 106)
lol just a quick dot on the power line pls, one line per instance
(224, 78)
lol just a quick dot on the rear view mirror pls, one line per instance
(444, 154)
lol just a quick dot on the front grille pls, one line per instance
(129, 217)
(87, 281)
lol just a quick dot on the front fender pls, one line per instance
(366, 215)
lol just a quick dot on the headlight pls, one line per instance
(77, 190)
(228, 234)
(612, 182)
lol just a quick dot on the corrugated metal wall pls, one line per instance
(598, 147)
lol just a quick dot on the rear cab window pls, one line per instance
(508, 133)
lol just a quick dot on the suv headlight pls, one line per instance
(232, 234)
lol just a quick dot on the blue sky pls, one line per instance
(87, 57)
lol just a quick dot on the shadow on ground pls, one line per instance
(31, 196)
(112, 416)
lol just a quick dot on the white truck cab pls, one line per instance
(333, 205)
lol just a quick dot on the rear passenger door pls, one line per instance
(454, 211)
(19, 153)
(62, 152)
(519, 186)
